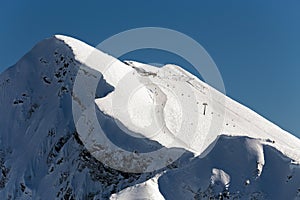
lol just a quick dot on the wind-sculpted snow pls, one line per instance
(231, 170)
(240, 174)
(49, 152)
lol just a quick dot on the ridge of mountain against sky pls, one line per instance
(255, 44)
(234, 118)
(48, 151)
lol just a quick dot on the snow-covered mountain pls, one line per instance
(161, 133)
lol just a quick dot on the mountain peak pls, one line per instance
(158, 133)
(81, 50)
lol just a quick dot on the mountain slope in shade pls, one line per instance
(228, 152)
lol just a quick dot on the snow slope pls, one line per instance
(176, 86)
(48, 150)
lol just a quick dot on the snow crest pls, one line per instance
(227, 151)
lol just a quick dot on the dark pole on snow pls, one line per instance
(204, 104)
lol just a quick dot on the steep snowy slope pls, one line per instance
(162, 133)
(170, 89)
(229, 171)
(41, 155)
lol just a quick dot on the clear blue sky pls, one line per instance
(255, 44)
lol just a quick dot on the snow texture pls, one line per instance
(230, 152)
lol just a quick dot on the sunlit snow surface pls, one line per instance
(229, 152)
(174, 90)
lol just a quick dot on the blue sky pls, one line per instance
(255, 44)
